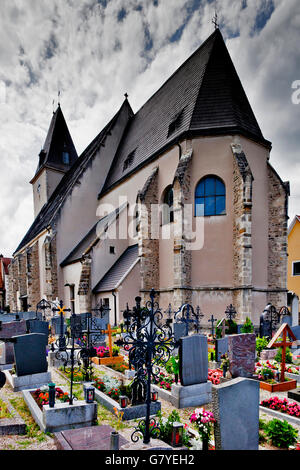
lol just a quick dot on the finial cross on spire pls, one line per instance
(126, 95)
(215, 20)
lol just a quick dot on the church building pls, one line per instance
(179, 196)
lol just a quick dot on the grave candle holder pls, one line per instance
(177, 432)
(51, 395)
(90, 394)
(154, 395)
(123, 400)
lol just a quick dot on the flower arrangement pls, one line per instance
(102, 351)
(119, 415)
(205, 421)
(214, 376)
(114, 393)
(41, 395)
(224, 361)
(274, 366)
(164, 381)
(284, 406)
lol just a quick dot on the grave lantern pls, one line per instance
(90, 394)
(154, 395)
(51, 395)
(123, 400)
(177, 431)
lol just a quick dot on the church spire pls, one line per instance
(58, 151)
(55, 159)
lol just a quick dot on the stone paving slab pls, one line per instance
(90, 438)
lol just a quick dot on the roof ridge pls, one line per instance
(78, 166)
(202, 45)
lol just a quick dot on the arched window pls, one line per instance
(168, 212)
(210, 197)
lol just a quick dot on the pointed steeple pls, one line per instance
(222, 104)
(58, 151)
(55, 160)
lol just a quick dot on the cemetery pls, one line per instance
(168, 382)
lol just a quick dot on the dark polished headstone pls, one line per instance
(193, 360)
(179, 330)
(221, 347)
(37, 326)
(27, 315)
(6, 353)
(2, 379)
(56, 324)
(30, 354)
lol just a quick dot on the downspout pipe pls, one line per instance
(115, 305)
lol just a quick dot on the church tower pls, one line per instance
(55, 159)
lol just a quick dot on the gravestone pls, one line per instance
(37, 326)
(96, 325)
(56, 325)
(295, 346)
(8, 317)
(30, 354)
(7, 331)
(27, 315)
(179, 330)
(194, 388)
(242, 354)
(193, 360)
(235, 405)
(264, 327)
(221, 347)
(295, 310)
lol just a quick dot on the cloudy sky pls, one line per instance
(94, 51)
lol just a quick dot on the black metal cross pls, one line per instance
(188, 316)
(43, 305)
(230, 312)
(61, 310)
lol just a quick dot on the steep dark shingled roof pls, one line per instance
(206, 94)
(52, 207)
(115, 274)
(58, 140)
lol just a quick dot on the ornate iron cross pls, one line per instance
(212, 320)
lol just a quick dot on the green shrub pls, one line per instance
(261, 343)
(166, 427)
(247, 326)
(288, 355)
(281, 433)
(231, 327)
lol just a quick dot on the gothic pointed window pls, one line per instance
(210, 197)
(168, 211)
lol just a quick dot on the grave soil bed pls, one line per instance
(130, 412)
(107, 360)
(279, 386)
